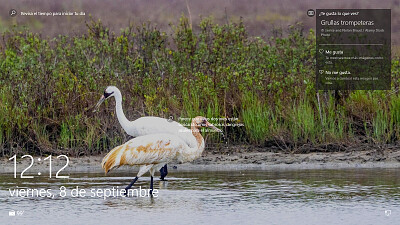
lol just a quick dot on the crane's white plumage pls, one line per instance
(151, 152)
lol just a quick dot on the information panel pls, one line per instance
(353, 49)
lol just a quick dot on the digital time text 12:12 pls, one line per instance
(32, 161)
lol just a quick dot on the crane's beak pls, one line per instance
(99, 103)
(209, 125)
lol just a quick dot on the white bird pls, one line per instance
(151, 152)
(146, 125)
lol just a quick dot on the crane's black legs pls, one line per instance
(151, 187)
(164, 172)
(130, 185)
(134, 180)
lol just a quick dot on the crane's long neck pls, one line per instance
(197, 135)
(190, 154)
(120, 112)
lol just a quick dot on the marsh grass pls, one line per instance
(258, 118)
(48, 87)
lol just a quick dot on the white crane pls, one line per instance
(152, 152)
(146, 125)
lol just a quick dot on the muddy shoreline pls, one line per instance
(236, 158)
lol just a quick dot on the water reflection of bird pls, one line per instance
(151, 152)
(146, 125)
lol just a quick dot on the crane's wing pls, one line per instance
(144, 150)
(154, 125)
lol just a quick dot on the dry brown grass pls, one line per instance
(260, 16)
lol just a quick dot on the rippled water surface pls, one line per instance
(238, 197)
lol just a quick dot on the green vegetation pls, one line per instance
(48, 88)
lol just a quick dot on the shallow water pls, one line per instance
(347, 196)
